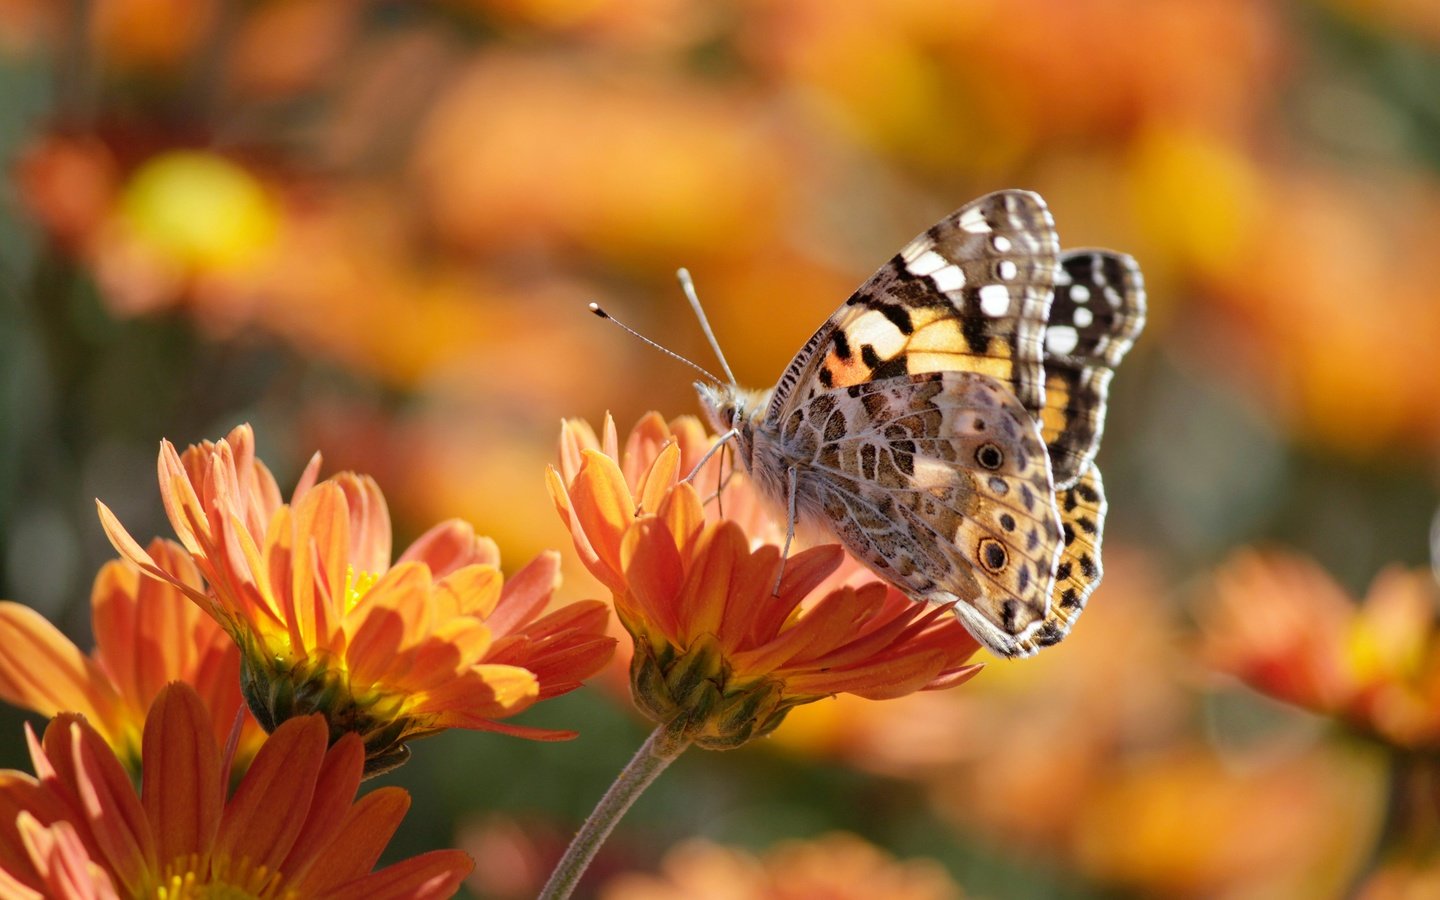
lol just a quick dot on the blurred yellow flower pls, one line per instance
(199, 210)
(292, 828)
(723, 651)
(834, 866)
(147, 634)
(326, 623)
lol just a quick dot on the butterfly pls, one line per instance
(943, 423)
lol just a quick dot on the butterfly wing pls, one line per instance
(940, 483)
(1082, 525)
(970, 294)
(1098, 311)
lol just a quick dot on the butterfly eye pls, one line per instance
(990, 456)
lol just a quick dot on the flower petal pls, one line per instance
(184, 786)
(40, 669)
(265, 816)
(429, 876)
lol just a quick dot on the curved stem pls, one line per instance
(1411, 820)
(658, 751)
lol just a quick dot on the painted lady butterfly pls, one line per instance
(943, 423)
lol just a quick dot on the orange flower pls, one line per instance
(836, 866)
(326, 624)
(1283, 625)
(146, 635)
(720, 655)
(291, 829)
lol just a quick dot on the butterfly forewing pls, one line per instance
(1098, 311)
(970, 294)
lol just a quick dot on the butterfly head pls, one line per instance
(724, 405)
(732, 409)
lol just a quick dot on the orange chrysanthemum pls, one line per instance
(720, 655)
(326, 623)
(292, 828)
(1281, 624)
(146, 635)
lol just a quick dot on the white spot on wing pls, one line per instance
(933, 473)
(950, 278)
(973, 221)
(1083, 317)
(1061, 339)
(994, 300)
(1007, 269)
(1001, 243)
(1080, 294)
(913, 249)
(879, 332)
(927, 263)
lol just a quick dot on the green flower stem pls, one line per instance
(658, 751)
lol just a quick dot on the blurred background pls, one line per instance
(371, 228)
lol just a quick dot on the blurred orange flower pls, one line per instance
(834, 866)
(147, 634)
(723, 650)
(1282, 625)
(326, 623)
(1186, 823)
(292, 828)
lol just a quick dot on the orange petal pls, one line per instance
(470, 591)
(656, 572)
(322, 557)
(485, 692)
(603, 505)
(184, 787)
(448, 546)
(264, 817)
(130, 549)
(60, 858)
(86, 766)
(369, 549)
(876, 680)
(40, 669)
(526, 593)
(659, 477)
(340, 776)
(356, 838)
(429, 876)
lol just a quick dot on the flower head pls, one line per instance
(326, 623)
(147, 634)
(292, 828)
(1283, 625)
(725, 644)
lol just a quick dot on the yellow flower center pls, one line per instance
(357, 585)
(191, 878)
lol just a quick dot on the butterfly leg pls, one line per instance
(792, 474)
(720, 442)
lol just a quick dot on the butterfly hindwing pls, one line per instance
(940, 483)
(1098, 311)
(972, 293)
(1079, 570)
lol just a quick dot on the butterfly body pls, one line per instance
(914, 425)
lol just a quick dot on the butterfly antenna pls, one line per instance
(688, 286)
(595, 308)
